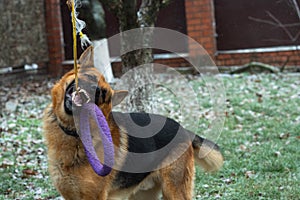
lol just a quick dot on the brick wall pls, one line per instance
(277, 58)
(201, 27)
(200, 24)
(54, 37)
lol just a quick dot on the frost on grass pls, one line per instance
(259, 138)
(23, 159)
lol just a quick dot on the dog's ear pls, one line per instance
(86, 59)
(118, 96)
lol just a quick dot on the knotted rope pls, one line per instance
(81, 99)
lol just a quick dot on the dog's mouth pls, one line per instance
(95, 93)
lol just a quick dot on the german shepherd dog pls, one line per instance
(171, 172)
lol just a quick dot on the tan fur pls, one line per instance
(73, 176)
(209, 159)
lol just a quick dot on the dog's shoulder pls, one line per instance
(147, 134)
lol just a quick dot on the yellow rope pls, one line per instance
(81, 34)
(74, 45)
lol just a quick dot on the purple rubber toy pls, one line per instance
(91, 109)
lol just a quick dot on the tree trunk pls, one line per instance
(131, 17)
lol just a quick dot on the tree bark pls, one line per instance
(131, 17)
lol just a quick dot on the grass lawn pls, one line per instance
(260, 141)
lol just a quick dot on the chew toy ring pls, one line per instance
(88, 110)
(81, 99)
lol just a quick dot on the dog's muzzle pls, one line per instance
(88, 93)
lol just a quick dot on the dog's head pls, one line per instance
(89, 79)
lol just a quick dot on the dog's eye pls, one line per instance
(103, 94)
(97, 95)
(68, 98)
(100, 94)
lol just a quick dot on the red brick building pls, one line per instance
(233, 32)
